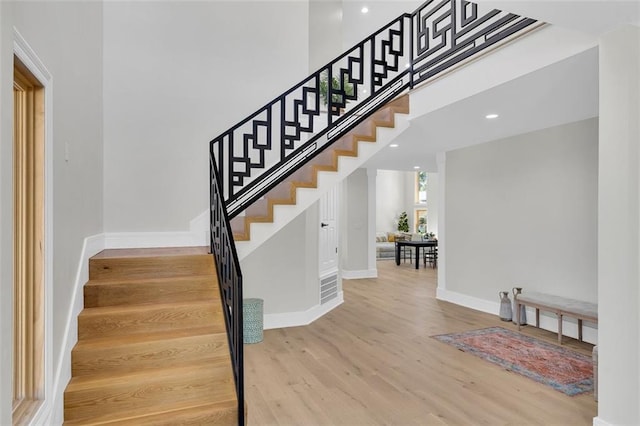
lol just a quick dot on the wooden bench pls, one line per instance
(561, 306)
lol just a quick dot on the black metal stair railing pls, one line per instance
(229, 274)
(260, 151)
(265, 148)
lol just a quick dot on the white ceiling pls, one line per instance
(560, 93)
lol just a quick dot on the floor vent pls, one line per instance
(328, 288)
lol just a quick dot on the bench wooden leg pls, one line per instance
(518, 314)
(538, 317)
(580, 330)
(560, 328)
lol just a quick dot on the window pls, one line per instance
(421, 221)
(421, 188)
(28, 268)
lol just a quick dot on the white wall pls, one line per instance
(325, 32)
(395, 194)
(619, 229)
(523, 211)
(358, 25)
(432, 202)
(176, 75)
(67, 38)
(390, 199)
(284, 270)
(354, 229)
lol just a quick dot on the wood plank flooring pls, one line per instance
(371, 361)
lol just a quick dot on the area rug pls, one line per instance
(561, 368)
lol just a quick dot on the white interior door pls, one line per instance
(329, 232)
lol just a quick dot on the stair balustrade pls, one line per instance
(259, 152)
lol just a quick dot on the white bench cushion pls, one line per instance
(564, 304)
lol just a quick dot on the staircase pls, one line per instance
(152, 344)
(285, 193)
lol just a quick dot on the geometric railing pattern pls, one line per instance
(225, 257)
(262, 150)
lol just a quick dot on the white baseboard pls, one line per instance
(198, 235)
(547, 321)
(92, 245)
(597, 421)
(359, 274)
(295, 319)
(151, 239)
(468, 301)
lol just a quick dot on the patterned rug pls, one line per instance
(562, 369)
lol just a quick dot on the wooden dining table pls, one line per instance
(417, 245)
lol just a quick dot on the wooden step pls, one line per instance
(149, 290)
(223, 413)
(148, 351)
(116, 397)
(327, 161)
(120, 320)
(150, 263)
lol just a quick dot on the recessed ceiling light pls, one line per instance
(416, 167)
(393, 145)
(365, 9)
(491, 116)
(406, 65)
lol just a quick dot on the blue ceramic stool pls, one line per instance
(252, 321)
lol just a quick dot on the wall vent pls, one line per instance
(328, 288)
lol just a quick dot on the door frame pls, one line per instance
(31, 62)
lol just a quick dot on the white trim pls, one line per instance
(30, 59)
(597, 421)
(151, 239)
(198, 235)
(199, 228)
(467, 301)
(441, 160)
(371, 219)
(359, 274)
(295, 319)
(92, 245)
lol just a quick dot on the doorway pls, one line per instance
(28, 243)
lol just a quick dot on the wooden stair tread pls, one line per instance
(110, 341)
(150, 252)
(152, 263)
(152, 344)
(161, 365)
(119, 320)
(327, 161)
(109, 292)
(110, 380)
(110, 310)
(137, 280)
(218, 413)
(105, 356)
(143, 393)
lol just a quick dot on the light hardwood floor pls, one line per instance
(372, 361)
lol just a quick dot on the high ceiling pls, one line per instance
(559, 93)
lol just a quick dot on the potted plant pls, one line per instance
(347, 87)
(403, 222)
